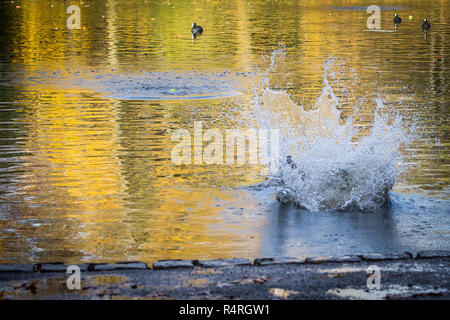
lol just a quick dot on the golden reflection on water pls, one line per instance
(86, 177)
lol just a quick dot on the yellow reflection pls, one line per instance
(101, 176)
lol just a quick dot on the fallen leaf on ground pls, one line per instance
(207, 271)
(198, 282)
(281, 293)
(333, 275)
(246, 280)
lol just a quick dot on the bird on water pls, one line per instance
(397, 19)
(196, 30)
(426, 25)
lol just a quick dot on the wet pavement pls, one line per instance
(87, 116)
(402, 276)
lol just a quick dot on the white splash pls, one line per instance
(330, 166)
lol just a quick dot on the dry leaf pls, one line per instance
(281, 293)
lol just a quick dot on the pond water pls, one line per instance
(87, 116)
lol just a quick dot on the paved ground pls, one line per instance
(418, 278)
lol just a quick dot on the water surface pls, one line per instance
(86, 118)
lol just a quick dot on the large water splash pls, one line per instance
(326, 164)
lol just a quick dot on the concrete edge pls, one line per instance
(333, 259)
(219, 263)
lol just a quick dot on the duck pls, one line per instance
(397, 19)
(196, 30)
(426, 25)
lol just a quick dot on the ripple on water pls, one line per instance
(151, 85)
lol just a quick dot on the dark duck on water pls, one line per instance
(426, 25)
(397, 19)
(196, 30)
